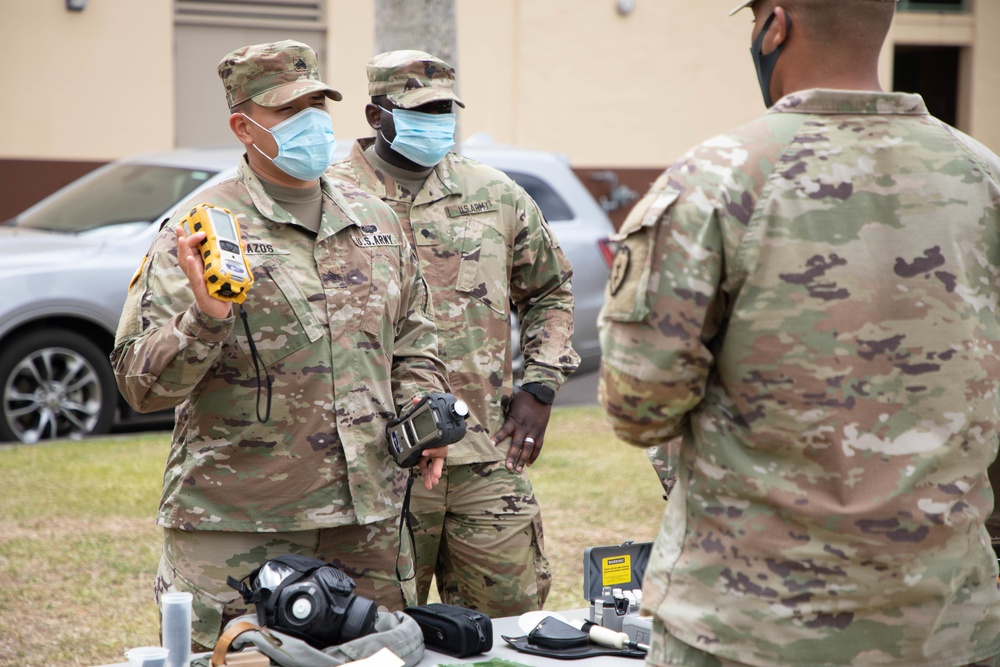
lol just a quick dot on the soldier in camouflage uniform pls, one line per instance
(482, 245)
(811, 302)
(291, 458)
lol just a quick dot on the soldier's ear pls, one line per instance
(779, 30)
(374, 116)
(239, 124)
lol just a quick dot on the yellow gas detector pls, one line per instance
(227, 273)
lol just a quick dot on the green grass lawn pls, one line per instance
(79, 547)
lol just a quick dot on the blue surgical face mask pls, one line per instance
(305, 143)
(765, 64)
(423, 138)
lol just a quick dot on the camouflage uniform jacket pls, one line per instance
(339, 320)
(811, 302)
(482, 243)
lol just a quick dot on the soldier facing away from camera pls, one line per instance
(811, 302)
(279, 443)
(482, 245)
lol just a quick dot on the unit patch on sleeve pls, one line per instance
(619, 268)
(138, 272)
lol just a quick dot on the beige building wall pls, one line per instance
(984, 112)
(573, 76)
(487, 34)
(350, 42)
(90, 84)
(635, 90)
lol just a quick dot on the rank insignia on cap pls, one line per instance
(300, 65)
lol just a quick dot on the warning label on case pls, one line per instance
(616, 570)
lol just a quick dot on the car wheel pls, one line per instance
(55, 384)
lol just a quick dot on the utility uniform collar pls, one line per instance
(442, 182)
(827, 101)
(330, 225)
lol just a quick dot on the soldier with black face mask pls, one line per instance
(809, 303)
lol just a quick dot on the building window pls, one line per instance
(276, 14)
(205, 31)
(933, 72)
(952, 6)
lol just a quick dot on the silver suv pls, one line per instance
(68, 261)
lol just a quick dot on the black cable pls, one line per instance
(255, 357)
(404, 520)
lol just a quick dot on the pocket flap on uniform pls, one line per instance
(646, 212)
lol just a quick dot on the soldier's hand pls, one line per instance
(432, 465)
(191, 263)
(525, 424)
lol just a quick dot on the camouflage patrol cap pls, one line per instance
(272, 74)
(411, 78)
(747, 3)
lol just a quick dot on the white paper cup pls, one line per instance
(147, 656)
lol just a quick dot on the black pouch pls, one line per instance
(454, 630)
(557, 635)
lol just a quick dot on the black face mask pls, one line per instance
(308, 599)
(765, 64)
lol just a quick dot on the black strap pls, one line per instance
(590, 650)
(404, 518)
(255, 357)
(241, 586)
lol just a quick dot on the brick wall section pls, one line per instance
(25, 182)
(637, 180)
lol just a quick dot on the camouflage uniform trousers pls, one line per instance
(198, 562)
(665, 650)
(479, 532)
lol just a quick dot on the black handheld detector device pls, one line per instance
(434, 421)
(227, 273)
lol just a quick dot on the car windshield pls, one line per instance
(113, 195)
(553, 208)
